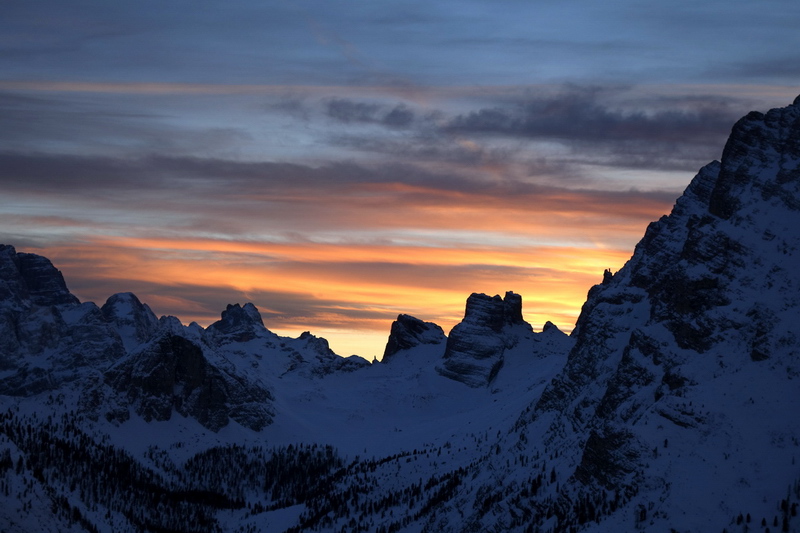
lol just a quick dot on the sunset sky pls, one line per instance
(338, 163)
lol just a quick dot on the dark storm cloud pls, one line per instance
(606, 126)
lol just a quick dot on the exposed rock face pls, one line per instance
(134, 321)
(238, 324)
(30, 279)
(88, 341)
(47, 336)
(475, 346)
(512, 310)
(156, 366)
(11, 287)
(716, 279)
(172, 373)
(44, 282)
(408, 332)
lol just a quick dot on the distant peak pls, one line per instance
(237, 324)
(122, 298)
(134, 321)
(549, 326)
(408, 332)
(33, 277)
(238, 313)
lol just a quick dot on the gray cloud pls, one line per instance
(582, 115)
(110, 124)
(349, 111)
(783, 69)
(422, 148)
(345, 110)
(667, 133)
(601, 125)
(400, 116)
(215, 179)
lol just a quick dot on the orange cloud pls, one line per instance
(338, 255)
(350, 291)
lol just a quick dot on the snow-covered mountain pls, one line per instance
(673, 405)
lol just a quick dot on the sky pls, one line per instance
(340, 163)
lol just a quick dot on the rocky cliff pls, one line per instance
(47, 337)
(172, 374)
(475, 346)
(408, 332)
(154, 367)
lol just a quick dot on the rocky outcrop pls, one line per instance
(12, 290)
(409, 332)
(710, 289)
(172, 374)
(47, 337)
(238, 324)
(31, 280)
(45, 284)
(475, 346)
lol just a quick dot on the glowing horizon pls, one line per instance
(352, 300)
(338, 166)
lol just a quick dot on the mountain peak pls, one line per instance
(760, 158)
(549, 326)
(408, 332)
(237, 324)
(475, 346)
(134, 321)
(32, 278)
(709, 296)
(171, 373)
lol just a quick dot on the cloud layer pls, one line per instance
(338, 164)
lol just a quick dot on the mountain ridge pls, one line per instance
(669, 407)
